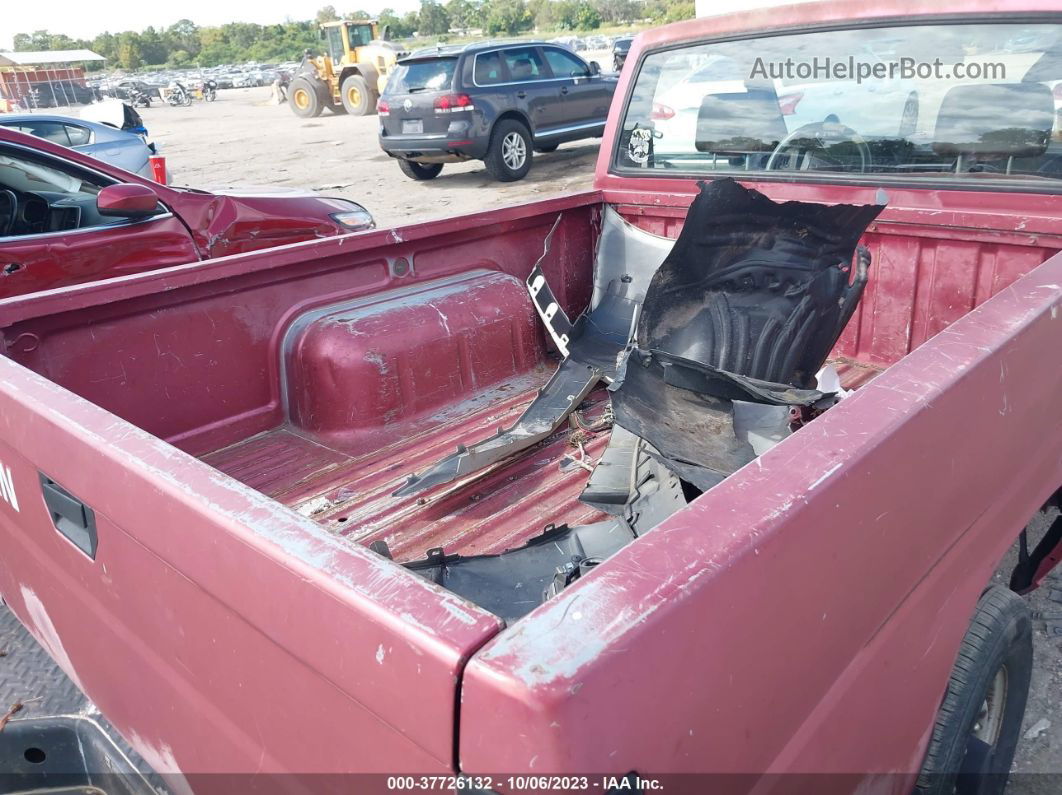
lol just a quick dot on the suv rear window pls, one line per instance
(947, 101)
(432, 74)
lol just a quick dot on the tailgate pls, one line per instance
(217, 630)
(411, 94)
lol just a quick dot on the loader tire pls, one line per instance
(304, 98)
(356, 96)
(979, 721)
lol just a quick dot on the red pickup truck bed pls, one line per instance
(756, 629)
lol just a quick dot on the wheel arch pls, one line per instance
(516, 115)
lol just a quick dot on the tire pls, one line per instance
(508, 141)
(356, 96)
(304, 99)
(979, 722)
(420, 171)
(546, 148)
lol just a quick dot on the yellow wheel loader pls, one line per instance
(349, 77)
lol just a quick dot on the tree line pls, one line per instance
(186, 44)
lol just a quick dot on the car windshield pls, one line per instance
(25, 176)
(929, 101)
(434, 74)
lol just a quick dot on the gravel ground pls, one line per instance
(243, 139)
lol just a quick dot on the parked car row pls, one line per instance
(150, 85)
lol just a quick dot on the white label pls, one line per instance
(7, 486)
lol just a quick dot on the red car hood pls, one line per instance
(235, 220)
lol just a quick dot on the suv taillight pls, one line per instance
(451, 103)
(382, 108)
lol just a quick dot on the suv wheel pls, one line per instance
(420, 171)
(355, 95)
(509, 156)
(303, 98)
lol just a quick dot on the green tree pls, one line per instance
(400, 28)
(184, 35)
(355, 15)
(326, 14)
(678, 11)
(433, 20)
(507, 16)
(129, 54)
(463, 14)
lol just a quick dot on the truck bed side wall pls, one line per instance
(803, 615)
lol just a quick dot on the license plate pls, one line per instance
(412, 127)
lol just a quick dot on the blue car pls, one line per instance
(126, 147)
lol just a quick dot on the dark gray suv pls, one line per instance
(495, 102)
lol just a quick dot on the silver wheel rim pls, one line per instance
(514, 151)
(989, 721)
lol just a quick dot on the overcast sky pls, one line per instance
(84, 19)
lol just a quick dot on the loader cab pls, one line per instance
(343, 39)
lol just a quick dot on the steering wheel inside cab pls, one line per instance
(824, 145)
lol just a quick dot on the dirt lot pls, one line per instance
(243, 139)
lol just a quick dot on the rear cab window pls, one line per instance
(950, 102)
(428, 74)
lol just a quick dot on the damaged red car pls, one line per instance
(67, 218)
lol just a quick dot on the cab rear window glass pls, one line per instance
(435, 74)
(970, 102)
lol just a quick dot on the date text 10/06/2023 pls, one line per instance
(543, 783)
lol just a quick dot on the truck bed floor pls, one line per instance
(487, 512)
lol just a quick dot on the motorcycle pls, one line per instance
(178, 95)
(210, 90)
(139, 99)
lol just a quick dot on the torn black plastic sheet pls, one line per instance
(757, 288)
(511, 584)
(593, 347)
(746, 307)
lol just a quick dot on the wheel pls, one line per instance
(546, 148)
(420, 171)
(302, 96)
(357, 98)
(509, 154)
(978, 723)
